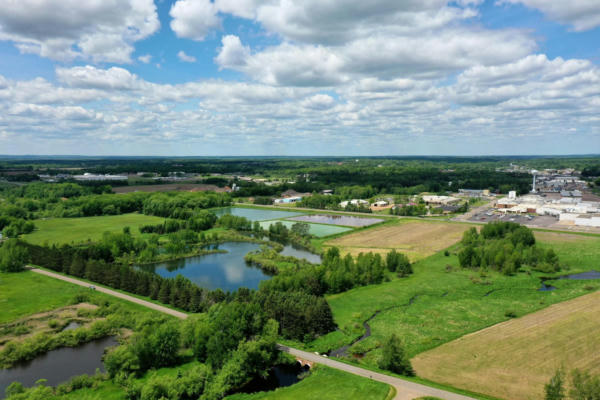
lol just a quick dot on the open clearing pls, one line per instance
(77, 230)
(417, 239)
(516, 358)
(26, 293)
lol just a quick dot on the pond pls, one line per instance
(344, 220)
(279, 376)
(254, 214)
(58, 366)
(227, 271)
(318, 230)
(577, 277)
(299, 252)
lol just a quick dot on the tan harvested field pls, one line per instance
(417, 239)
(514, 359)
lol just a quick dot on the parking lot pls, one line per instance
(537, 221)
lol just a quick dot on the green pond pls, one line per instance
(315, 229)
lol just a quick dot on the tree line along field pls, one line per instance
(517, 357)
(441, 302)
(77, 230)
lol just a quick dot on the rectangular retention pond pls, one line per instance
(255, 214)
(345, 220)
(315, 229)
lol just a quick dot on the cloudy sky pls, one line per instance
(291, 77)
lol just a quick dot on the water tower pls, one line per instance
(534, 173)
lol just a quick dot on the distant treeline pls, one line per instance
(71, 200)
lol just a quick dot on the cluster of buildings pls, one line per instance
(88, 177)
(556, 194)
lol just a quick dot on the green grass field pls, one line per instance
(68, 230)
(438, 304)
(27, 293)
(325, 383)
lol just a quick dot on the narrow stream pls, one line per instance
(589, 275)
(343, 351)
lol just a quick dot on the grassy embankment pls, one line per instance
(441, 302)
(77, 230)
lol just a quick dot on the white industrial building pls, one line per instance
(442, 200)
(94, 177)
(354, 202)
(568, 210)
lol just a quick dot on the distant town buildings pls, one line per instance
(557, 194)
(88, 177)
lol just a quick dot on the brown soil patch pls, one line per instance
(416, 239)
(514, 359)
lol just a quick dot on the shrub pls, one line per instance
(394, 358)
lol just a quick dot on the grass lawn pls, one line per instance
(27, 293)
(441, 302)
(68, 230)
(517, 357)
(417, 239)
(325, 383)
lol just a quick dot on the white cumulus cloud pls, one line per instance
(194, 19)
(185, 57)
(582, 15)
(97, 30)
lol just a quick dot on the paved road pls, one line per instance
(114, 293)
(406, 390)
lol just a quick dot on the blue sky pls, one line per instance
(275, 77)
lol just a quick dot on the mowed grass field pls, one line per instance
(514, 359)
(76, 230)
(416, 239)
(441, 302)
(26, 293)
(325, 383)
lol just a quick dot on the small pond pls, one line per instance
(227, 271)
(577, 277)
(344, 220)
(299, 252)
(318, 230)
(279, 376)
(254, 214)
(72, 325)
(58, 366)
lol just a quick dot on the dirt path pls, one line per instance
(406, 390)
